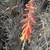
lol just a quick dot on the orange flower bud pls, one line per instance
(24, 26)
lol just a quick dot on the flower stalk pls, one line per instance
(29, 20)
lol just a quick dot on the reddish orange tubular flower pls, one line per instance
(27, 8)
(24, 26)
(23, 34)
(27, 5)
(24, 20)
(30, 27)
(28, 35)
(33, 17)
(33, 21)
(25, 14)
(24, 31)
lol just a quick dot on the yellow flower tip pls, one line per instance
(22, 38)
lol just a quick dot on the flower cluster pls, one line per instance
(29, 20)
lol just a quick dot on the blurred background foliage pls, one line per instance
(10, 26)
